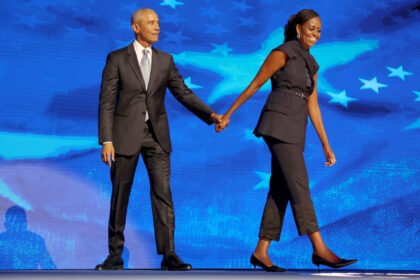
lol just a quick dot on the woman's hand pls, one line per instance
(329, 156)
(223, 123)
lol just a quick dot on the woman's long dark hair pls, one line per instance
(300, 18)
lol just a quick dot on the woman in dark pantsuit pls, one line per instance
(282, 124)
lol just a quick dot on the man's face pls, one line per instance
(147, 27)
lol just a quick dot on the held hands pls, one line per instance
(222, 124)
(329, 156)
(108, 153)
(219, 121)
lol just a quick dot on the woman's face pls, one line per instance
(309, 32)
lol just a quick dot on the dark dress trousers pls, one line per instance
(124, 99)
(283, 124)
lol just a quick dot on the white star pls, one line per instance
(223, 49)
(265, 180)
(418, 95)
(372, 84)
(341, 98)
(190, 85)
(398, 72)
(171, 3)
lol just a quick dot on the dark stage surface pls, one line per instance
(205, 274)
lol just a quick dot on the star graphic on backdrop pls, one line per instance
(171, 3)
(265, 180)
(215, 29)
(379, 4)
(241, 6)
(237, 68)
(210, 12)
(340, 98)
(248, 21)
(30, 20)
(190, 85)
(122, 44)
(418, 95)
(131, 7)
(77, 32)
(372, 84)
(271, 2)
(413, 12)
(175, 37)
(398, 72)
(174, 19)
(249, 135)
(124, 24)
(223, 49)
(414, 125)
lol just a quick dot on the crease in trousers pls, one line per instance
(289, 182)
(123, 169)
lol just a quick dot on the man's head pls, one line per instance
(145, 24)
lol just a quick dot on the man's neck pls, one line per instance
(143, 43)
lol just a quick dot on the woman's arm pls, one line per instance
(316, 118)
(271, 65)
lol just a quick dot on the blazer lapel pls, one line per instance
(134, 64)
(154, 71)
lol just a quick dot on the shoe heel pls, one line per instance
(164, 268)
(255, 267)
(319, 269)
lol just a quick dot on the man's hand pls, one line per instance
(216, 118)
(329, 157)
(222, 124)
(108, 153)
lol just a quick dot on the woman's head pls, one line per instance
(305, 26)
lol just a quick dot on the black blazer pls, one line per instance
(285, 113)
(123, 100)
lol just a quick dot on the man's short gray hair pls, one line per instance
(136, 16)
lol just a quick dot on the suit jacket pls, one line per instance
(285, 113)
(124, 99)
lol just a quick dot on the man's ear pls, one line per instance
(135, 27)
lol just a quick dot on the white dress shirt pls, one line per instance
(138, 48)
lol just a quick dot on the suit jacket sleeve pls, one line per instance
(108, 93)
(184, 95)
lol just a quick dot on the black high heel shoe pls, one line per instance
(254, 261)
(317, 260)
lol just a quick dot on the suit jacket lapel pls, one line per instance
(134, 64)
(154, 71)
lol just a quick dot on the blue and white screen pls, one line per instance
(55, 191)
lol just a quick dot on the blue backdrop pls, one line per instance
(54, 190)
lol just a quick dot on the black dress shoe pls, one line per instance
(111, 263)
(274, 268)
(317, 260)
(172, 262)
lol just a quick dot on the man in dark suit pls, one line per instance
(133, 121)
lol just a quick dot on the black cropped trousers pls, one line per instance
(288, 182)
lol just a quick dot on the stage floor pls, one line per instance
(204, 274)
